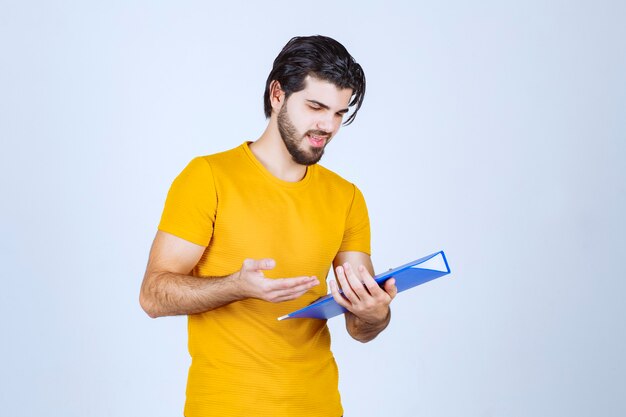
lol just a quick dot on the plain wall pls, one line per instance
(492, 130)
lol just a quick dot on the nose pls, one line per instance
(326, 123)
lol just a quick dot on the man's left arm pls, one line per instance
(367, 304)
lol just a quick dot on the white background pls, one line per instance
(492, 130)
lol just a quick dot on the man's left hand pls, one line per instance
(362, 295)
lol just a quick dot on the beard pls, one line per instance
(293, 140)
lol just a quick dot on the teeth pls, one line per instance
(317, 140)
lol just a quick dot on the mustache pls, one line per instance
(318, 133)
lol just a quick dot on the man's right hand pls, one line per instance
(168, 289)
(253, 283)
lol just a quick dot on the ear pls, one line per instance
(277, 96)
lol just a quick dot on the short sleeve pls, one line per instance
(191, 204)
(356, 236)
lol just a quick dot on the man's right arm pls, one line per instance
(169, 290)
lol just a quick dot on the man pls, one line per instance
(247, 234)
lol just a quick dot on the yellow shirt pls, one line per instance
(246, 363)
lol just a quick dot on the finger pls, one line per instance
(369, 281)
(288, 284)
(355, 282)
(289, 296)
(295, 292)
(390, 288)
(345, 285)
(339, 298)
(283, 289)
(292, 292)
(259, 264)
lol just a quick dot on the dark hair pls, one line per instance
(321, 57)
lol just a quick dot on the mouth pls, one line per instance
(317, 141)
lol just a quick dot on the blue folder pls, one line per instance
(407, 276)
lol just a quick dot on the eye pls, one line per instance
(313, 107)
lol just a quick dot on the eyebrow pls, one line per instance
(324, 106)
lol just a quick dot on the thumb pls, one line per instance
(390, 287)
(259, 264)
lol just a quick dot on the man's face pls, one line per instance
(310, 118)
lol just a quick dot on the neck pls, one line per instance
(272, 153)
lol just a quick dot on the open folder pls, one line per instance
(407, 276)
